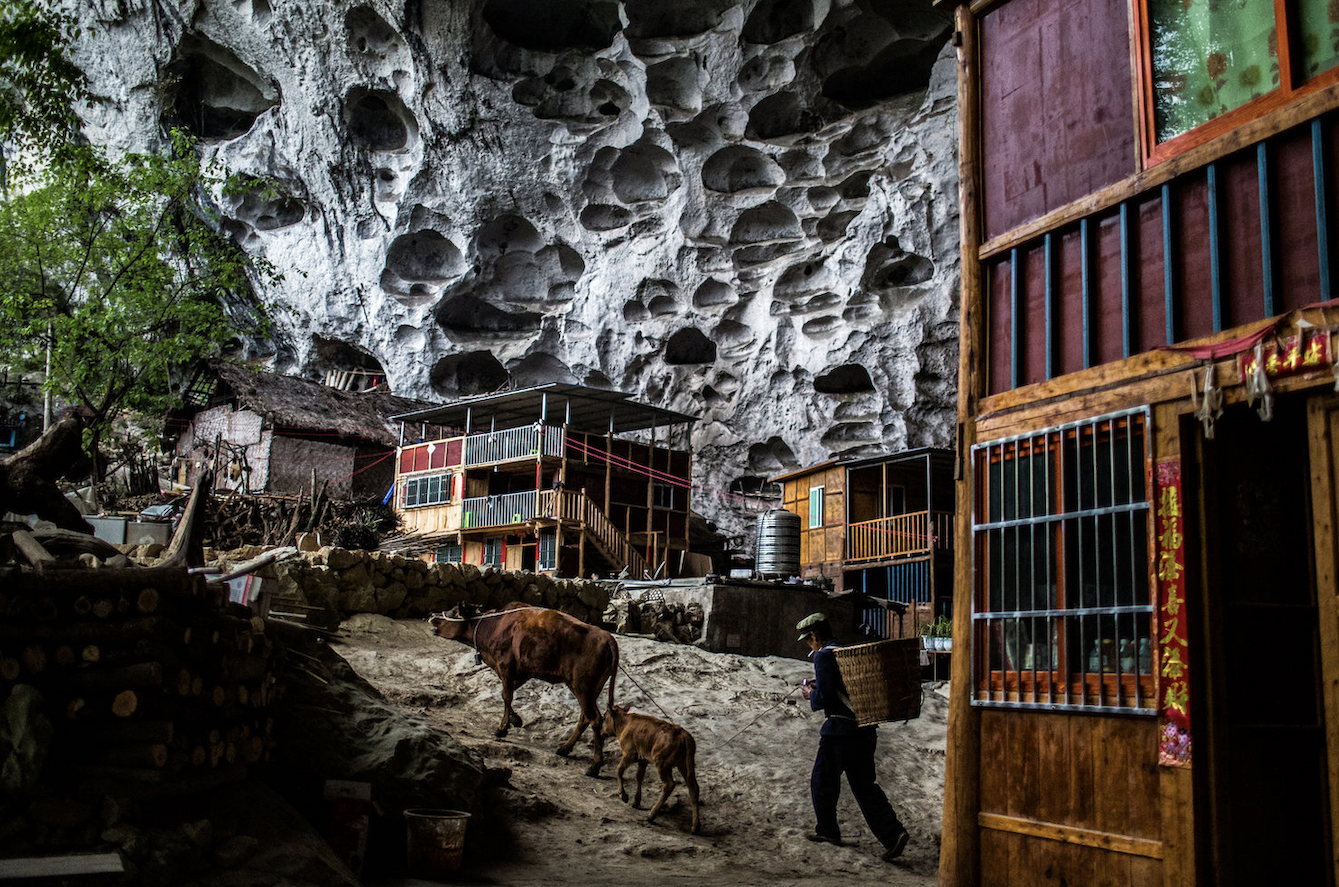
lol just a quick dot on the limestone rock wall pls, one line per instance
(745, 211)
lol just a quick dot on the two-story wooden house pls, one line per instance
(559, 478)
(1149, 432)
(881, 526)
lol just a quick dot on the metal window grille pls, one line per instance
(427, 490)
(449, 553)
(1063, 611)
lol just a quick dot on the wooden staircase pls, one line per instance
(577, 508)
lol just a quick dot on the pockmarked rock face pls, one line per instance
(744, 211)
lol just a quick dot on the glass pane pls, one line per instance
(1209, 58)
(1320, 35)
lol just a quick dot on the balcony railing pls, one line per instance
(498, 511)
(901, 535)
(570, 506)
(512, 444)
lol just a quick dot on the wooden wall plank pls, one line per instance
(1296, 269)
(1051, 85)
(1110, 776)
(1106, 843)
(1323, 426)
(1053, 750)
(994, 748)
(1082, 787)
(994, 860)
(1149, 305)
(1176, 791)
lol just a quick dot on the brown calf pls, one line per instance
(646, 740)
(522, 642)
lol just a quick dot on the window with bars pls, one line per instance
(1063, 611)
(449, 553)
(433, 489)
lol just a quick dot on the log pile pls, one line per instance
(133, 682)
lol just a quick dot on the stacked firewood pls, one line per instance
(144, 683)
(148, 681)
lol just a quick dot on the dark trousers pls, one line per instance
(853, 755)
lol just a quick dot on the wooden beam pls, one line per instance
(23, 867)
(960, 849)
(1068, 834)
(1323, 428)
(1134, 186)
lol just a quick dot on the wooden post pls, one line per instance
(959, 853)
(651, 494)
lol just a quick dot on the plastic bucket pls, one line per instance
(436, 841)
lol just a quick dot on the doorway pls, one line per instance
(1261, 769)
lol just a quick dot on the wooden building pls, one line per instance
(559, 479)
(262, 432)
(1149, 433)
(881, 526)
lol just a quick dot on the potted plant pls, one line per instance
(945, 633)
(926, 631)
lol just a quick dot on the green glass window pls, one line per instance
(1320, 35)
(1209, 57)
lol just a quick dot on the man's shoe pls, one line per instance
(824, 839)
(895, 849)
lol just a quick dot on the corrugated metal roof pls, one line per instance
(591, 410)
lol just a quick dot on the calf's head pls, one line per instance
(614, 719)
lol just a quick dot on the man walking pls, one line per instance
(843, 747)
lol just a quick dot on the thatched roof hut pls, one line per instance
(300, 406)
(270, 433)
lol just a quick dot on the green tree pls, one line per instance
(39, 84)
(120, 272)
(115, 271)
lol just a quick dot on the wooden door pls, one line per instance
(1260, 728)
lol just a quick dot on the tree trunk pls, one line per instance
(28, 478)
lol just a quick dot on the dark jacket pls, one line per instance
(828, 694)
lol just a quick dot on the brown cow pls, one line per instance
(646, 740)
(521, 642)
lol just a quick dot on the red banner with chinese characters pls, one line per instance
(1173, 670)
(1308, 349)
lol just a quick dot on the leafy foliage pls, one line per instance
(39, 84)
(121, 272)
(116, 270)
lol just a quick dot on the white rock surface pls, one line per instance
(745, 211)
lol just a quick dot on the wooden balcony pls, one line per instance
(512, 444)
(902, 535)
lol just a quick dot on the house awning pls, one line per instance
(590, 410)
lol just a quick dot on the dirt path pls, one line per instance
(755, 737)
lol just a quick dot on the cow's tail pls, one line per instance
(613, 672)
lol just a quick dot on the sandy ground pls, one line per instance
(755, 745)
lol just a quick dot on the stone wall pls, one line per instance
(345, 582)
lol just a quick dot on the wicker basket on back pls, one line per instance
(883, 679)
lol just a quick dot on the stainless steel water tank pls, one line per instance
(778, 550)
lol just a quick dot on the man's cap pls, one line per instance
(806, 625)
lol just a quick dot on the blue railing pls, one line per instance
(498, 511)
(511, 444)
